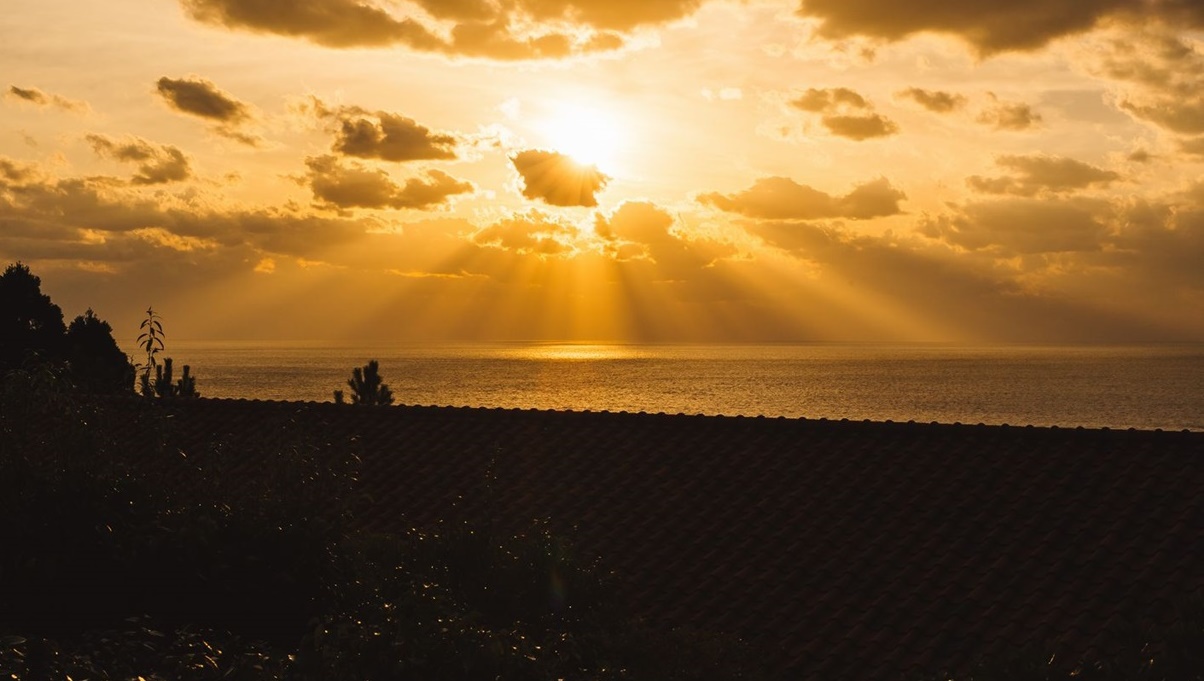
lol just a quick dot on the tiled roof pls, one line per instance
(849, 550)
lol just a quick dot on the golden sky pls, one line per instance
(611, 170)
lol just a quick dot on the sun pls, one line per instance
(590, 134)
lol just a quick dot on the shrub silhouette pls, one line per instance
(366, 386)
(29, 321)
(172, 559)
(32, 333)
(96, 364)
(151, 342)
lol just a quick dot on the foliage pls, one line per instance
(97, 364)
(95, 530)
(367, 387)
(453, 603)
(29, 321)
(131, 551)
(139, 648)
(150, 340)
(32, 333)
(463, 603)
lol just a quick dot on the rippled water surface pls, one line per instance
(1119, 387)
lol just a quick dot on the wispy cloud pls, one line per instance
(37, 97)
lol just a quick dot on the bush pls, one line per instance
(97, 529)
(140, 649)
(459, 603)
(367, 387)
(32, 330)
(124, 559)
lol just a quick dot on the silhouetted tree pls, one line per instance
(96, 364)
(29, 322)
(366, 386)
(151, 342)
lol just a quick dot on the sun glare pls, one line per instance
(588, 133)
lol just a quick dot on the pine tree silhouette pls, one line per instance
(366, 386)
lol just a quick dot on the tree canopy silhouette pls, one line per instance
(32, 330)
(366, 386)
(96, 364)
(29, 322)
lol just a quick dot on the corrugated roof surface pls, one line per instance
(850, 550)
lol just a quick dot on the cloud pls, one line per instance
(845, 113)
(639, 222)
(357, 186)
(780, 198)
(1010, 116)
(15, 173)
(1037, 174)
(607, 14)
(157, 164)
(652, 275)
(817, 100)
(87, 220)
(1184, 117)
(936, 101)
(1193, 146)
(40, 98)
(887, 264)
(937, 288)
(1140, 156)
(1023, 226)
(94, 220)
(558, 180)
(1161, 243)
(332, 23)
(635, 230)
(1015, 25)
(516, 29)
(201, 98)
(642, 233)
(384, 136)
(1165, 78)
(497, 40)
(860, 127)
(530, 233)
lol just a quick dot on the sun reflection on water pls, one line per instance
(573, 352)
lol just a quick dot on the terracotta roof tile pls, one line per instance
(855, 550)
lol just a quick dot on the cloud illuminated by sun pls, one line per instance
(590, 133)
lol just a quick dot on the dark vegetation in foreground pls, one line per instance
(151, 562)
(32, 332)
(120, 564)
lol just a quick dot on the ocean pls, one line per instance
(1144, 387)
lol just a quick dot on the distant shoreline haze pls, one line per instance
(1133, 386)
